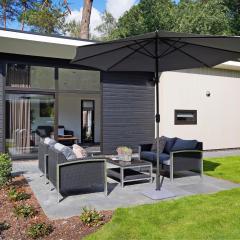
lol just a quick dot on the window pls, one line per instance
(26, 76)
(185, 117)
(27, 117)
(73, 79)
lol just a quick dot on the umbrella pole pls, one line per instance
(158, 192)
(158, 185)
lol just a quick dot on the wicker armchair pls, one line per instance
(77, 176)
(175, 161)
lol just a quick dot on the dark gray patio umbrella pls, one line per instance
(157, 52)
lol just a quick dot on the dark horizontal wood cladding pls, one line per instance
(128, 110)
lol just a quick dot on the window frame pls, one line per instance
(185, 122)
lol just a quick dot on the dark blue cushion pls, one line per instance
(152, 156)
(181, 144)
(147, 155)
(163, 157)
(169, 144)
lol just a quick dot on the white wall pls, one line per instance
(218, 115)
(70, 112)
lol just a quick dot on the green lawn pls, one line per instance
(226, 168)
(213, 216)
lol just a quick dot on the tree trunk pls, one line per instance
(23, 11)
(86, 14)
(5, 14)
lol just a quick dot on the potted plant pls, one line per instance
(124, 153)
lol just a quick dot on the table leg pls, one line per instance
(151, 170)
(122, 177)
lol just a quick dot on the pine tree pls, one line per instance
(8, 12)
(86, 15)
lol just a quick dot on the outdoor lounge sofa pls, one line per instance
(76, 175)
(178, 155)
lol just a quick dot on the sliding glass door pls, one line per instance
(28, 116)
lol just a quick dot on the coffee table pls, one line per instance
(130, 171)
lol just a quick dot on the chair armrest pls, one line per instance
(186, 160)
(78, 160)
(187, 153)
(145, 147)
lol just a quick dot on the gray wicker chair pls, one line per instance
(175, 161)
(77, 176)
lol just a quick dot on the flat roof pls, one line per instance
(32, 44)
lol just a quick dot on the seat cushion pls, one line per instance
(162, 143)
(147, 155)
(152, 156)
(163, 157)
(169, 144)
(181, 144)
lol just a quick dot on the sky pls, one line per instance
(116, 7)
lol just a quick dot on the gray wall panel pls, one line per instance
(128, 110)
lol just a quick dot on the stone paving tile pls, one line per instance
(131, 195)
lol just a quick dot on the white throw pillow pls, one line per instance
(79, 151)
(47, 140)
(59, 146)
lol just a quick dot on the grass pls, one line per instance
(213, 216)
(227, 168)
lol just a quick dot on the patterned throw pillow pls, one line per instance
(79, 151)
(162, 142)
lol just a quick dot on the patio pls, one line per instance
(130, 195)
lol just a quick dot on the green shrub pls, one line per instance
(15, 195)
(91, 217)
(5, 169)
(4, 226)
(24, 211)
(38, 230)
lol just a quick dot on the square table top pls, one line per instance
(133, 163)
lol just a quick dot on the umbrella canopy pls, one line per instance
(157, 52)
(175, 51)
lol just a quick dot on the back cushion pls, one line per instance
(162, 143)
(66, 151)
(59, 146)
(181, 144)
(169, 144)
